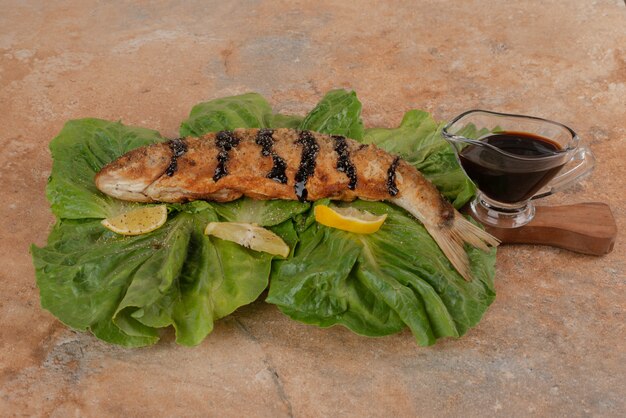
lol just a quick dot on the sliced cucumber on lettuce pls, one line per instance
(126, 289)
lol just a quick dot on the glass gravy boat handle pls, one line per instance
(580, 165)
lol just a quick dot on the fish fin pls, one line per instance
(473, 234)
(451, 239)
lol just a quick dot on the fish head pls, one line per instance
(127, 177)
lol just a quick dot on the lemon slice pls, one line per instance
(250, 236)
(349, 219)
(138, 221)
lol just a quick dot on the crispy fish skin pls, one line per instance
(288, 164)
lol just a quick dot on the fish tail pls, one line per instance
(451, 238)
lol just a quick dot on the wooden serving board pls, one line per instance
(587, 228)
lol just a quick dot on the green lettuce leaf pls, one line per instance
(249, 110)
(317, 287)
(83, 273)
(124, 288)
(338, 113)
(376, 289)
(261, 212)
(285, 121)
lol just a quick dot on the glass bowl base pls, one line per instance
(501, 215)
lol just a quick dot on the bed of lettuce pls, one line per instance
(126, 289)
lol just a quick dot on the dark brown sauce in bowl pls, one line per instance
(507, 178)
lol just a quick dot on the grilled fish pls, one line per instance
(288, 164)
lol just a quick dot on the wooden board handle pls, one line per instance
(587, 228)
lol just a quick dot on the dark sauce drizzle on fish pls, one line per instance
(225, 141)
(310, 148)
(278, 170)
(178, 147)
(265, 139)
(343, 163)
(392, 189)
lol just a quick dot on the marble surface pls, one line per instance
(553, 342)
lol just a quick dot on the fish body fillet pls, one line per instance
(288, 164)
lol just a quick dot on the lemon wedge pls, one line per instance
(349, 219)
(250, 236)
(138, 221)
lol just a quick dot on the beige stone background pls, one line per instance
(553, 342)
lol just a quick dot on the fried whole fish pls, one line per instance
(288, 164)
